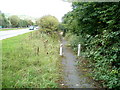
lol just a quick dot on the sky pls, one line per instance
(36, 8)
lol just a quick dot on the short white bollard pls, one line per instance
(61, 49)
(79, 46)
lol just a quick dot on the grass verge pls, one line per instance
(30, 61)
(0, 64)
(11, 29)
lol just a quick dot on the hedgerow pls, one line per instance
(96, 25)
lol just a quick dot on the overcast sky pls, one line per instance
(35, 8)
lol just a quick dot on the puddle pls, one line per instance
(73, 78)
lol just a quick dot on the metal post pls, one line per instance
(61, 49)
(79, 46)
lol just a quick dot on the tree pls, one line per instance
(48, 23)
(4, 22)
(14, 20)
(23, 23)
(29, 22)
(1, 20)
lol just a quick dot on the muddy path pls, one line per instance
(73, 78)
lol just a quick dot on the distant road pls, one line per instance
(12, 33)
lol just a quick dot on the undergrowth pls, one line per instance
(100, 59)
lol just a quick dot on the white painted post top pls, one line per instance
(79, 46)
(61, 49)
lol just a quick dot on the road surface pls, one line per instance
(12, 33)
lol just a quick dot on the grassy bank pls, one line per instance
(30, 60)
(11, 29)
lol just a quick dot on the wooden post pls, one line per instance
(79, 46)
(38, 51)
(61, 49)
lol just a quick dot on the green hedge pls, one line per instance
(97, 27)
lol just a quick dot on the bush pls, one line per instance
(48, 23)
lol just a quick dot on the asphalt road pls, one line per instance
(12, 33)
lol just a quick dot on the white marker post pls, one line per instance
(61, 49)
(79, 46)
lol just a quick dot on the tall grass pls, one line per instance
(30, 61)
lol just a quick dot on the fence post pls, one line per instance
(61, 49)
(79, 46)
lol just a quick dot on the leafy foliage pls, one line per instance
(14, 20)
(25, 23)
(48, 23)
(97, 27)
(4, 22)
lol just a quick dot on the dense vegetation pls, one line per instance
(4, 22)
(97, 27)
(13, 21)
(48, 23)
(30, 61)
